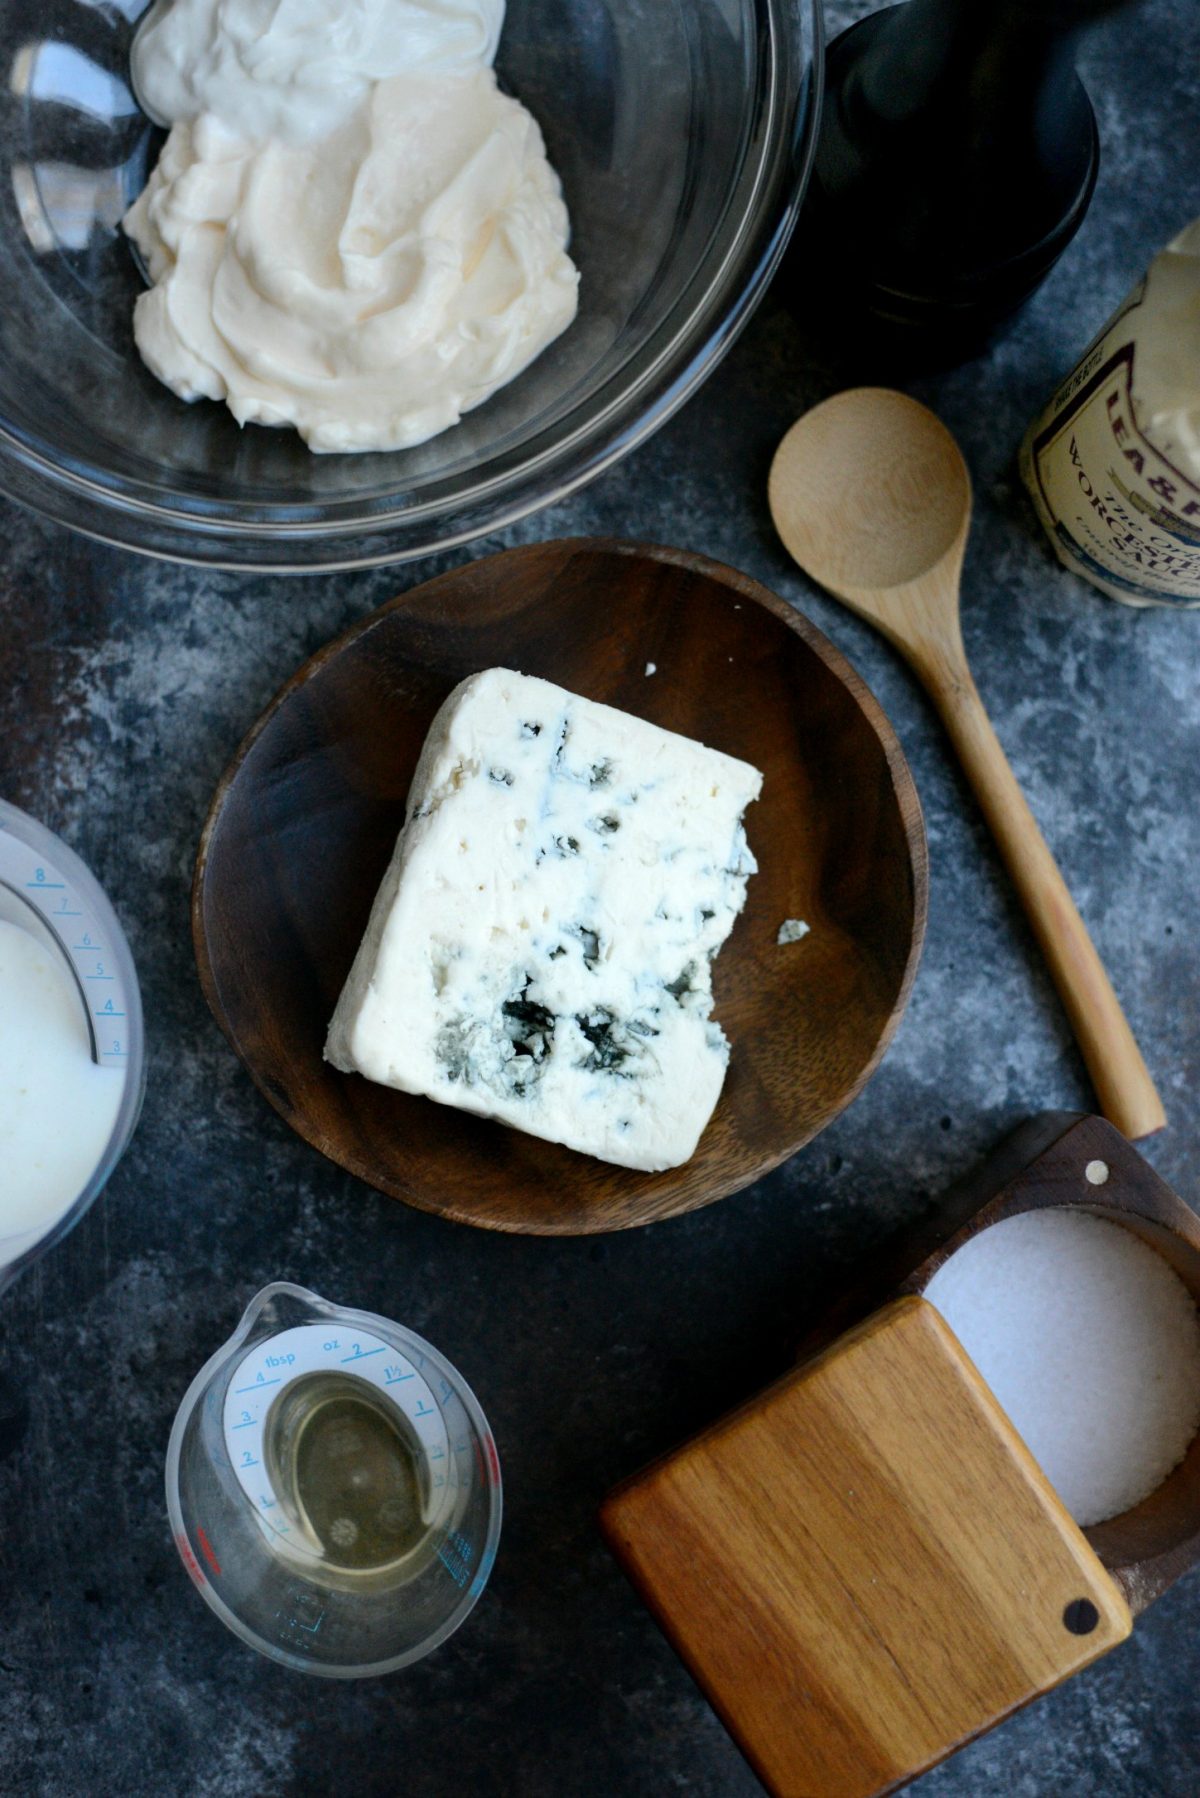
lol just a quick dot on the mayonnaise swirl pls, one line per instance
(297, 69)
(350, 230)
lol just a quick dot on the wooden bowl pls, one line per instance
(306, 816)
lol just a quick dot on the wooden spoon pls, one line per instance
(871, 495)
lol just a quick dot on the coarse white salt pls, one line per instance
(1091, 1343)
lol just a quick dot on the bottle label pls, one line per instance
(1117, 511)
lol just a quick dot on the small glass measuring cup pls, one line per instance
(343, 1595)
(47, 891)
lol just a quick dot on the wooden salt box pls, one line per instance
(863, 1567)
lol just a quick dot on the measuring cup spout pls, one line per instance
(279, 1306)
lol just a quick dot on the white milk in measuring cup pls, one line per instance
(70, 1040)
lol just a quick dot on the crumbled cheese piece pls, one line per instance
(792, 930)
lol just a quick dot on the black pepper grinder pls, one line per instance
(957, 156)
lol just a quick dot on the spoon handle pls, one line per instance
(1122, 1082)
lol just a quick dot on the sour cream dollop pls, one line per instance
(297, 69)
(350, 230)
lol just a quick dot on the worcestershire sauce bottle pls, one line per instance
(957, 156)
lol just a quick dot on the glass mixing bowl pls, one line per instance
(682, 130)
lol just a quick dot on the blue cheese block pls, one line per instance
(540, 949)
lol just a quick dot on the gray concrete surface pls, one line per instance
(125, 688)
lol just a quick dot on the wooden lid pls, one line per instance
(864, 1567)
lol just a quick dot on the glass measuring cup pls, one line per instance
(349, 1563)
(48, 892)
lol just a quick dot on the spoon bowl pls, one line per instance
(910, 510)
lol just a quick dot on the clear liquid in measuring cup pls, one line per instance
(333, 1487)
(350, 1472)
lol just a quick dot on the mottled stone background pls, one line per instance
(126, 687)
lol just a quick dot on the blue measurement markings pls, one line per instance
(361, 1354)
(260, 1381)
(423, 1410)
(39, 881)
(248, 1459)
(291, 1620)
(392, 1375)
(456, 1556)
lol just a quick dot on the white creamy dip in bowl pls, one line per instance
(681, 134)
(351, 231)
